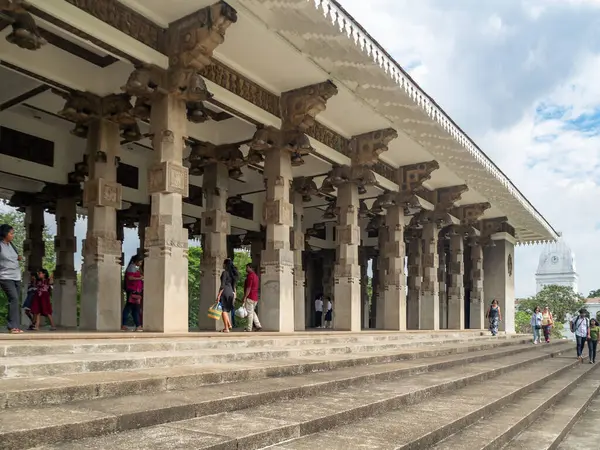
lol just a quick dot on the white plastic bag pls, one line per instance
(241, 312)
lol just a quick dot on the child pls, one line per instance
(536, 325)
(593, 340)
(329, 313)
(31, 291)
(41, 304)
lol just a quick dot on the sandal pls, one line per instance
(15, 331)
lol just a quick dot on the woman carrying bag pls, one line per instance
(226, 296)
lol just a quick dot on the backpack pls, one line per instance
(575, 323)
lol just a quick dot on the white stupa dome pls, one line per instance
(556, 258)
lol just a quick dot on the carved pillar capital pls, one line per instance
(366, 148)
(25, 33)
(300, 107)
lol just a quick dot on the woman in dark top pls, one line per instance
(226, 296)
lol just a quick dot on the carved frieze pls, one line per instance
(278, 212)
(25, 33)
(168, 177)
(366, 148)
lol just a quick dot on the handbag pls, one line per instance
(538, 327)
(215, 311)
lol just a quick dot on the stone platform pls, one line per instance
(414, 390)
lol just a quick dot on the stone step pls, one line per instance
(140, 342)
(320, 401)
(60, 364)
(38, 391)
(576, 417)
(423, 425)
(497, 430)
(584, 435)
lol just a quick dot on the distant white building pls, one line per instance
(557, 266)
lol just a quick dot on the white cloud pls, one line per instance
(496, 66)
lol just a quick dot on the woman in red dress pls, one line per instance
(41, 304)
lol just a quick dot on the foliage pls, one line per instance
(561, 300)
(594, 294)
(523, 322)
(17, 221)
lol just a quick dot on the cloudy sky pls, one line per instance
(522, 78)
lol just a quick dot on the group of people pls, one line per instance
(586, 330)
(319, 303)
(227, 296)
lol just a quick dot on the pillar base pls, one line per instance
(394, 309)
(477, 316)
(64, 298)
(210, 284)
(456, 313)
(299, 300)
(101, 297)
(413, 305)
(166, 289)
(277, 291)
(430, 311)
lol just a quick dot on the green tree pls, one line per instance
(561, 300)
(523, 322)
(594, 294)
(17, 221)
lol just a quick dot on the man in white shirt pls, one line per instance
(581, 327)
(319, 311)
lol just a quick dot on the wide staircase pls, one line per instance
(451, 390)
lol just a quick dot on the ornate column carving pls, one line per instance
(101, 121)
(430, 298)
(34, 246)
(215, 230)
(25, 33)
(414, 279)
(170, 98)
(379, 282)
(443, 277)
(469, 216)
(394, 305)
(64, 297)
(477, 307)
(456, 290)
(302, 191)
(281, 149)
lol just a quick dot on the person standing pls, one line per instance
(329, 313)
(581, 327)
(251, 298)
(226, 294)
(547, 322)
(10, 276)
(319, 311)
(41, 304)
(536, 325)
(593, 340)
(134, 288)
(494, 316)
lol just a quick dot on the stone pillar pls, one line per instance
(395, 293)
(34, 246)
(443, 277)
(166, 264)
(413, 304)
(430, 303)
(374, 292)
(347, 269)
(256, 248)
(499, 281)
(64, 296)
(456, 290)
(143, 223)
(277, 260)
(328, 258)
(215, 229)
(364, 285)
(382, 264)
(101, 270)
(297, 241)
(477, 309)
